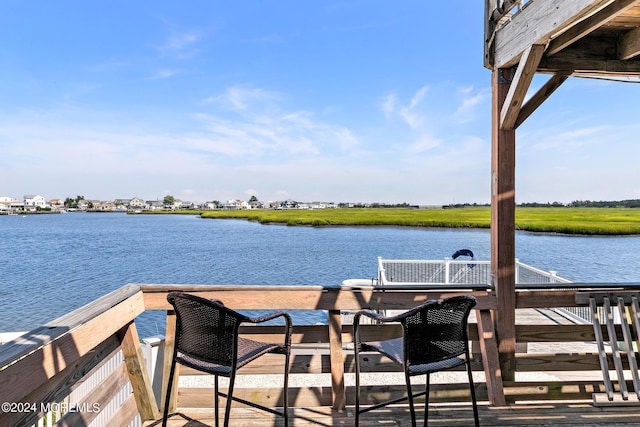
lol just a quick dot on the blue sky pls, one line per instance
(363, 101)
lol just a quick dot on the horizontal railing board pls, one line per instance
(44, 335)
(554, 333)
(583, 297)
(95, 307)
(58, 387)
(545, 298)
(539, 362)
(28, 373)
(309, 297)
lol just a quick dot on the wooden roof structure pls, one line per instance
(560, 38)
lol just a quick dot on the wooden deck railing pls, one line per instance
(49, 363)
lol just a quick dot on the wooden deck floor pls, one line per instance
(445, 415)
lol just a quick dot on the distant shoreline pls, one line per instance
(570, 221)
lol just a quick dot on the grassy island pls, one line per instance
(586, 221)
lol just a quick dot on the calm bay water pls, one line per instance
(52, 264)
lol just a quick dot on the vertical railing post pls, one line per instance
(169, 344)
(337, 360)
(447, 271)
(138, 375)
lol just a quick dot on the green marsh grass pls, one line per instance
(587, 221)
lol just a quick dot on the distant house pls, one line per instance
(321, 205)
(270, 205)
(10, 204)
(32, 202)
(155, 205)
(209, 205)
(83, 205)
(177, 204)
(289, 204)
(104, 206)
(236, 204)
(137, 203)
(256, 204)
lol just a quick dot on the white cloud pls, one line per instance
(180, 44)
(163, 74)
(471, 101)
(424, 143)
(255, 122)
(410, 113)
(242, 98)
(388, 105)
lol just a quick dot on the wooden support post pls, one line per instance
(138, 375)
(503, 160)
(490, 359)
(169, 344)
(337, 360)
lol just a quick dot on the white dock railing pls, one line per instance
(450, 271)
(456, 272)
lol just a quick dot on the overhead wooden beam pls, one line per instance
(520, 85)
(540, 96)
(538, 23)
(589, 24)
(574, 63)
(629, 45)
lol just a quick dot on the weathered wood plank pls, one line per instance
(537, 24)
(554, 333)
(580, 66)
(629, 45)
(588, 25)
(553, 362)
